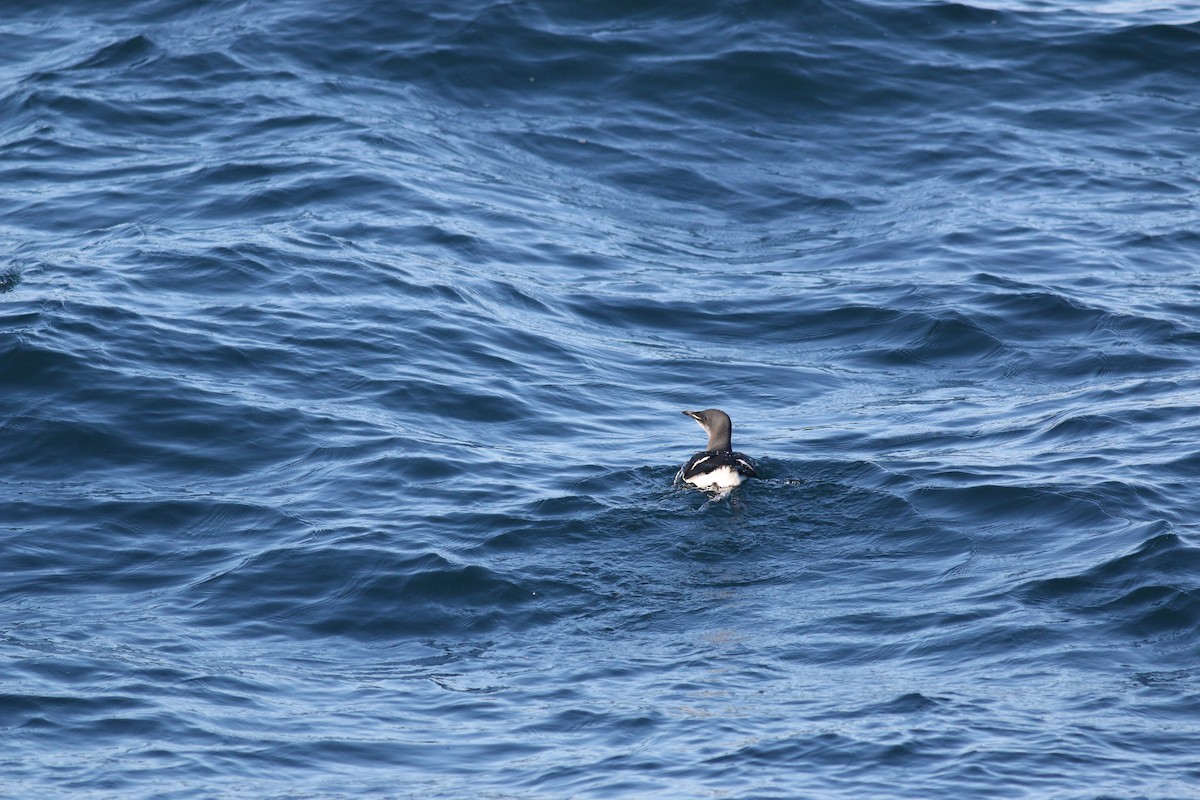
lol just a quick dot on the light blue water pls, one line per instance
(342, 352)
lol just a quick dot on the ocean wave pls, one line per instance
(343, 348)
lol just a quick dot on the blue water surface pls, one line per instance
(343, 349)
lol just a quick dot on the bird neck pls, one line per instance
(717, 441)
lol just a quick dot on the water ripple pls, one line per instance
(343, 350)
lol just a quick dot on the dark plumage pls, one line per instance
(718, 467)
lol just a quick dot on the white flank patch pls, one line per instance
(719, 478)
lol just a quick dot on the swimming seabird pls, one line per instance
(718, 467)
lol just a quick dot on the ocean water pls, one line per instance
(342, 354)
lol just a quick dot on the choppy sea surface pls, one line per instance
(342, 354)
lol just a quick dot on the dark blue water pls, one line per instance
(342, 350)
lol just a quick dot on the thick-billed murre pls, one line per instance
(718, 467)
